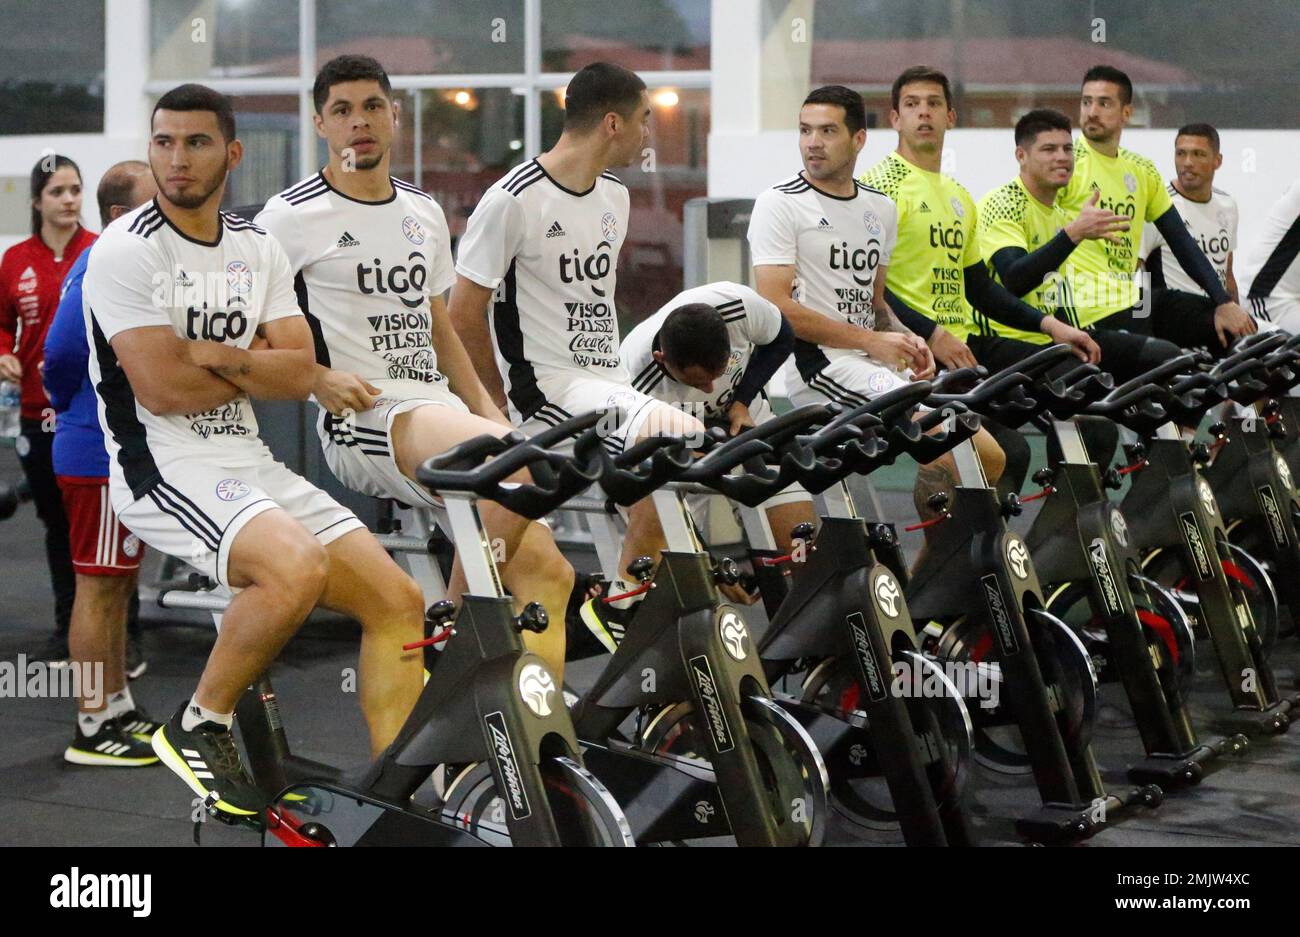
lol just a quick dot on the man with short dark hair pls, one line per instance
(542, 246)
(111, 730)
(1181, 309)
(1029, 244)
(1130, 185)
(936, 282)
(372, 257)
(711, 351)
(191, 313)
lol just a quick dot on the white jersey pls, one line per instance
(1212, 225)
(1272, 262)
(835, 243)
(365, 272)
(751, 320)
(550, 254)
(145, 272)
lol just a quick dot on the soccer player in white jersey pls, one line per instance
(1273, 264)
(711, 351)
(190, 313)
(1179, 303)
(372, 256)
(543, 246)
(821, 243)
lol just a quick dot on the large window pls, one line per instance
(433, 37)
(472, 102)
(1188, 61)
(203, 39)
(644, 35)
(52, 67)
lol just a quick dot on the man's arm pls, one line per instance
(163, 377)
(996, 302)
(283, 371)
(1232, 281)
(1229, 318)
(775, 282)
(888, 321)
(764, 362)
(455, 362)
(66, 351)
(467, 313)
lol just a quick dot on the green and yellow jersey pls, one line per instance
(936, 241)
(1009, 216)
(1129, 185)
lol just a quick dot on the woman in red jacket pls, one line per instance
(31, 276)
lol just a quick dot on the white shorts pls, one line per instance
(850, 381)
(359, 450)
(198, 509)
(569, 396)
(1275, 313)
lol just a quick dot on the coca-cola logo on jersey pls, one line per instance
(405, 281)
(215, 325)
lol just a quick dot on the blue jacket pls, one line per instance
(78, 440)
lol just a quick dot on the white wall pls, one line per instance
(94, 153)
(1257, 164)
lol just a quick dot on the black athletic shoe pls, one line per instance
(139, 723)
(112, 745)
(54, 652)
(605, 622)
(207, 760)
(136, 664)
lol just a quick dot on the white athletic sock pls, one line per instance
(121, 703)
(618, 587)
(90, 723)
(194, 714)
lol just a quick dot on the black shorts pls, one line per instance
(1187, 319)
(1125, 354)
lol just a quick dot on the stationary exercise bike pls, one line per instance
(491, 702)
(840, 632)
(1173, 514)
(1135, 632)
(978, 588)
(686, 686)
(1255, 486)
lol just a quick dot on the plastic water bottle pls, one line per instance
(10, 408)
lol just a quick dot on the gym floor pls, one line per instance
(1251, 800)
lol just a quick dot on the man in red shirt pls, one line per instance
(31, 276)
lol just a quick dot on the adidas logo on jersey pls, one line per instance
(555, 230)
(924, 207)
(347, 240)
(823, 223)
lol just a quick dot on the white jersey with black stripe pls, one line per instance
(1212, 225)
(144, 272)
(364, 275)
(835, 244)
(550, 255)
(751, 320)
(1271, 264)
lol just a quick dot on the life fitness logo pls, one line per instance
(887, 595)
(535, 688)
(734, 634)
(1018, 557)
